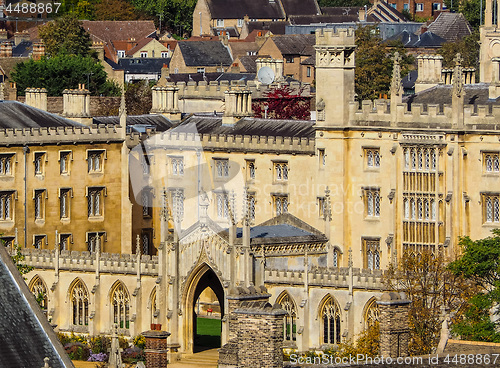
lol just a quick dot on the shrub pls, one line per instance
(77, 351)
(139, 341)
(100, 344)
(99, 357)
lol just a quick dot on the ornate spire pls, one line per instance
(396, 85)
(327, 211)
(123, 110)
(458, 78)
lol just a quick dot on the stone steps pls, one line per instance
(205, 359)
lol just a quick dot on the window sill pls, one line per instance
(491, 224)
(372, 218)
(493, 174)
(96, 218)
(372, 169)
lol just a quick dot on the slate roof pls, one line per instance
(204, 53)
(284, 228)
(248, 126)
(299, 44)
(238, 9)
(274, 231)
(406, 37)
(276, 28)
(450, 26)
(25, 334)
(475, 94)
(248, 63)
(240, 48)
(119, 30)
(143, 65)
(300, 7)
(22, 49)
(16, 115)
(382, 12)
(429, 39)
(160, 122)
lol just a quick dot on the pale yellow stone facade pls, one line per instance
(370, 183)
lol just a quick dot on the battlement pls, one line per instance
(182, 140)
(339, 37)
(58, 135)
(431, 116)
(86, 262)
(336, 278)
(215, 89)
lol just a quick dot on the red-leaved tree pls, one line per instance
(283, 103)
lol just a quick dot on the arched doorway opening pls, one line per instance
(204, 311)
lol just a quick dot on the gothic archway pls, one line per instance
(201, 278)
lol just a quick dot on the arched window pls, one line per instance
(80, 304)
(330, 319)
(290, 320)
(39, 290)
(371, 313)
(153, 306)
(121, 306)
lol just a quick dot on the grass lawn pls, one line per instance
(208, 332)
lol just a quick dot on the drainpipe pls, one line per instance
(26, 150)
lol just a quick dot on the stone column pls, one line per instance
(394, 328)
(156, 348)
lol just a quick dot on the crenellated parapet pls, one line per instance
(58, 135)
(227, 143)
(432, 116)
(171, 98)
(341, 278)
(86, 262)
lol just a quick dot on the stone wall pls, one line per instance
(255, 331)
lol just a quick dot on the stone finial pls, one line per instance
(396, 84)
(115, 356)
(164, 208)
(46, 362)
(458, 80)
(123, 110)
(138, 246)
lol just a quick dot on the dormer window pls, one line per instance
(121, 53)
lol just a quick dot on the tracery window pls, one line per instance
(330, 318)
(39, 290)
(371, 313)
(290, 320)
(120, 300)
(80, 304)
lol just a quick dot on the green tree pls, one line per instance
(471, 9)
(65, 35)
(115, 10)
(480, 263)
(176, 15)
(432, 289)
(138, 98)
(468, 47)
(374, 63)
(64, 72)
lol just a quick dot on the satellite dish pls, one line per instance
(265, 75)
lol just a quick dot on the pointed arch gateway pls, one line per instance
(201, 277)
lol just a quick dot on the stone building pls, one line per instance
(313, 210)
